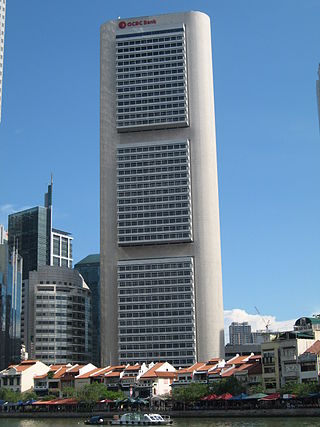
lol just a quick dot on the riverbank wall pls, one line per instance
(221, 413)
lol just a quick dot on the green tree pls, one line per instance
(28, 395)
(69, 392)
(258, 388)
(300, 389)
(227, 385)
(189, 394)
(92, 393)
(9, 395)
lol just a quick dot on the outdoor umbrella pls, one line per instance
(256, 396)
(239, 397)
(224, 396)
(273, 396)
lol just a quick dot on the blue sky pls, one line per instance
(265, 54)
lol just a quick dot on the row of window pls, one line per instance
(154, 55)
(146, 95)
(155, 346)
(161, 338)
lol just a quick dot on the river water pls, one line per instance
(190, 422)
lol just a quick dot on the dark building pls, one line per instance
(89, 268)
(30, 232)
(240, 333)
(3, 293)
(232, 350)
(10, 306)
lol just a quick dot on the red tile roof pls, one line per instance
(190, 369)
(40, 377)
(74, 369)
(102, 371)
(229, 372)
(60, 372)
(151, 372)
(315, 348)
(112, 374)
(133, 368)
(236, 360)
(88, 374)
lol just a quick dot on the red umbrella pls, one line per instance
(224, 396)
(210, 397)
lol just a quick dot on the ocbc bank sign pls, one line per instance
(124, 24)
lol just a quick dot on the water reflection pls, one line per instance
(187, 422)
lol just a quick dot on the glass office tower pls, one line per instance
(30, 232)
(89, 268)
(161, 285)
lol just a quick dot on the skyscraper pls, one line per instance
(2, 31)
(10, 305)
(30, 230)
(60, 316)
(161, 286)
(89, 268)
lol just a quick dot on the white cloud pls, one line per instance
(257, 322)
(7, 209)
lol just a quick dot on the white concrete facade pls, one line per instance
(20, 377)
(2, 31)
(171, 59)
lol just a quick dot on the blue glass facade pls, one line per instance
(13, 309)
(28, 231)
(10, 306)
(89, 268)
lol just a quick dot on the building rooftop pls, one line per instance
(90, 259)
(65, 233)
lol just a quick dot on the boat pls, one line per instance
(137, 419)
(97, 420)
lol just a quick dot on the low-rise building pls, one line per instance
(157, 380)
(280, 357)
(309, 363)
(20, 378)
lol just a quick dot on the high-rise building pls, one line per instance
(10, 305)
(61, 248)
(3, 235)
(161, 285)
(14, 306)
(2, 31)
(30, 231)
(3, 295)
(89, 268)
(60, 316)
(240, 333)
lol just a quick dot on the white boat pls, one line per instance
(137, 419)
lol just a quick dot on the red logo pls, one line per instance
(123, 24)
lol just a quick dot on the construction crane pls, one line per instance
(266, 322)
